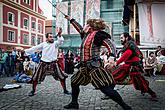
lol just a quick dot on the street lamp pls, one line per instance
(54, 18)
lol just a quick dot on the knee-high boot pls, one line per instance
(115, 96)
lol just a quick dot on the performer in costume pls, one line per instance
(91, 67)
(49, 59)
(132, 68)
(61, 59)
(60, 55)
(69, 64)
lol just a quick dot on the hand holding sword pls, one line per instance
(67, 17)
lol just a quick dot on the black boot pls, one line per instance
(153, 95)
(72, 105)
(32, 93)
(115, 96)
(126, 107)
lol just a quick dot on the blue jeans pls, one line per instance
(3, 68)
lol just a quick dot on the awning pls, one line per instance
(71, 41)
(19, 48)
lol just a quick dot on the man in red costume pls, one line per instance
(132, 66)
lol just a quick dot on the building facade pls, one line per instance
(22, 23)
(48, 26)
(143, 19)
(111, 11)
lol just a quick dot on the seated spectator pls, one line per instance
(161, 62)
(21, 78)
(150, 65)
(158, 50)
(26, 65)
(31, 67)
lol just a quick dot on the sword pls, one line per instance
(57, 8)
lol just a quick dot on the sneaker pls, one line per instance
(72, 106)
(67, 92)
(31, 93)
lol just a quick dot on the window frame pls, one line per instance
(27, 1)
(34, 40)
(27, 39)
(26, 27)
(39, 27)
(34, 25)
(13, 17)
(39, 41)
(9, 37)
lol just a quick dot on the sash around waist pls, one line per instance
(95, 62)
(133, 63)
(49, 62)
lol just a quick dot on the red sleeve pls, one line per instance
(125, 56)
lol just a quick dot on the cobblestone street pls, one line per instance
(50, 96)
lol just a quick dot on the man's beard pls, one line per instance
(51, 41)
(123, 42)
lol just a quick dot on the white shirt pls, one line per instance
(49, 50)
(161, 59)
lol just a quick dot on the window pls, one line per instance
(10, 17)
(40, 27)
(14, 0)
(25, 39)
(39, 40)
(11, 36)
(110, 4)
(33, 41)
(26, 24)
(26, 1)
(33, 24)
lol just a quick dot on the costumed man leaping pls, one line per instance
(91, 67)
(49, 59)
(132, 67)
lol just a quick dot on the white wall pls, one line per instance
(158, 24)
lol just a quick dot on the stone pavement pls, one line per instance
(50, 96)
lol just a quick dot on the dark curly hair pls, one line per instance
(47, 34)
(126, 35)
(96, 24)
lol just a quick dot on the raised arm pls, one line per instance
(60, 41)
(76, 25)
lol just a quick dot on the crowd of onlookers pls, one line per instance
(16, 63)
(155, 63)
